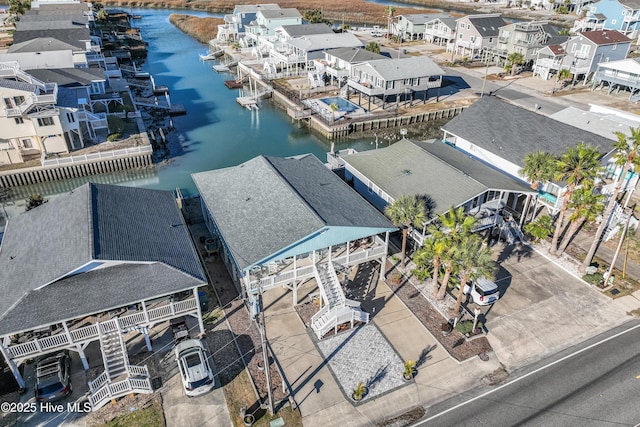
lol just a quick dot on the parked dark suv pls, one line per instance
(53, 377)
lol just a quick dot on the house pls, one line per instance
(445, 176)
(89, 267)
(475, 33)
(502, 134)
(234, 26)
(441, 31)
(338, 63)
(281, 221)
(622, 74)
(302, 51)
(549, 61)
(590, 48)
(525, 38)
(45, 52)
(582, 54)
(618, 15)
(266, 22)
(413, 26)
(407, 78)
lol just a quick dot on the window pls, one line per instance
(370, 187)
(71, 118)
(26, 143)
(468, 26)
(96, 87)
(45, 121)
(19, 120)
(490, 39)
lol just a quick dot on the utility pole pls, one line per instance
(609, 272)
(484, 82)
(265, 354)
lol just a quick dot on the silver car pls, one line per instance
(195, 371)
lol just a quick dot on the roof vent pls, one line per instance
(406, 172)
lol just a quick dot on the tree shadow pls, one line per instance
(424, 355)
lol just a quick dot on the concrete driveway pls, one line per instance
(543, 309)
(207, 410)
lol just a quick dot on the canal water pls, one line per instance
(215, 133)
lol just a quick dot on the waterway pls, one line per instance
(215, 133)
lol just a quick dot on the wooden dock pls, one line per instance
(233, 84)
(247, 102)
(177, 110)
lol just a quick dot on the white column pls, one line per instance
(146, 313)
(348, 249)
(147, 340)
(200, 324)
(295, 266)
(12, 366)
(295, 292)
(66, 331)
(330, 249)
(383, 264)
(83, 357)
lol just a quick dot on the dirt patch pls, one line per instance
(496, 377)
(405, 419)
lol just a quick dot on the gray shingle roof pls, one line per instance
(487, 26)
(57, 24)
(421, 18)
(17, 85)
(511, 132)
(75, 37)
(268, 203)
(315, 42)
(42, 44)
(280, 13)
(69, 77)
(354, 54)
(91, 224)
(631, 4)
(98, 291)
(404, 68)
(307, 29)
(448, 176)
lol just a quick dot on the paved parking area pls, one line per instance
(543, 309)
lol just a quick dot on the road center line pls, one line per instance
(526, 375)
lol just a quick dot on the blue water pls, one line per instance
(343, 104)
(216, 132)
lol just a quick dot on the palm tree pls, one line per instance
(390, 11)
(405, 211)
(577, 166)
(458, 227)
(438, 242)
(538, 166)
(515, 59)
(586, 206)
(372, 47)
(474, 261)
(627, 155)
(540, 228)
(334, 107)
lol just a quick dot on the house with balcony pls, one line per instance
(39, 117)
(279, 222)
(549, 61)
(588, 49)
(618, 15)
(502, 134)
(525, 38)
(266, 22)
(393, 79)
(297, 53)
(475, 33)
(283, 35)
(235, 23)
(441, 30)
(623, 74)
(413, 26)
(446, 177)
(90, 269)
(338, 63)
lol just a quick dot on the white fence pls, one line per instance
(102, 155)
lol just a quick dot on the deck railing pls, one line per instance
(89, 333)
(108, 391)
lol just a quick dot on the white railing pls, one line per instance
(324, 310)
(114, 390)
(89, 333)
(83, 158)
(98, 382)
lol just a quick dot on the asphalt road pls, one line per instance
(508, 90)
(596, 383)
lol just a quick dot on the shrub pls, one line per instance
(114, 136)
(593, 279)
(421, 274)
(466, 326)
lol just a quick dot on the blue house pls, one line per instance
(279, 222)
(620, 15)
(234, 23)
